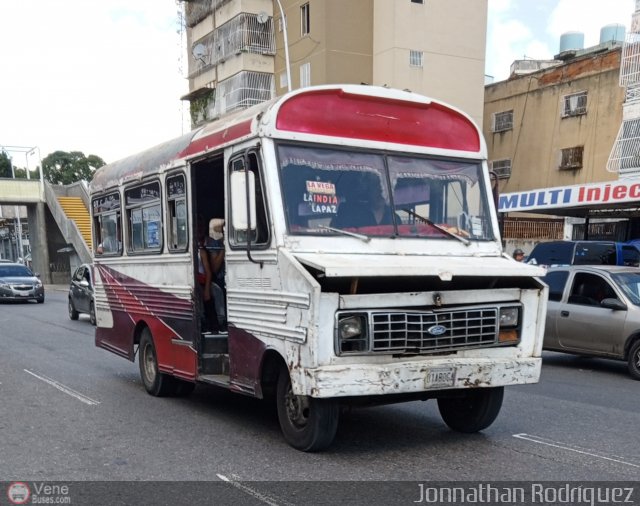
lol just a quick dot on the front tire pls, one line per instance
(155, 383)
(308, 424)
(73, 314)
(474, 411)
(634, 360)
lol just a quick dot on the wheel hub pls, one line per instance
(297, 408)
(149, 364)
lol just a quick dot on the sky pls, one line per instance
(104, 77)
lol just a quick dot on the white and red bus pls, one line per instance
(362, 254)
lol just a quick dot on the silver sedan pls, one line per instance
(595, 311)
(17, 282)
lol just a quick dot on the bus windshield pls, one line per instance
(327, 191)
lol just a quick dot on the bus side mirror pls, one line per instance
(243, 200)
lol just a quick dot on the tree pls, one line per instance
(5, 165)
(62, 167)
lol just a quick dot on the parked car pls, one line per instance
(81, 293)
(595, 311)
(17, 282)
(554, 253)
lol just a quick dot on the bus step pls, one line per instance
(215, 379)
(215, 363)
(215, 343)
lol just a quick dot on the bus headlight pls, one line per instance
(509, 324)
(352, 334)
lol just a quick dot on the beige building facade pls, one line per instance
(236, 49)
(559, 127)
(556, 126)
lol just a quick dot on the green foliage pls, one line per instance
(62, 167)
(5, 165)
(21, 173)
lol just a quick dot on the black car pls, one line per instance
(81, 294)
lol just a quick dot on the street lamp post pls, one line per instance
(286, 45)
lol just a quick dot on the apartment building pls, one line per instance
(552, 129)
(237, 51)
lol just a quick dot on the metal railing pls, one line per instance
(248, 33)
(523, 228)
(243, 90)
(625, 154)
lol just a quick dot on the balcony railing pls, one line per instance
(625, 154)
(243, 90)
(244, 33)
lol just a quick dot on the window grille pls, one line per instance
(575, 104)
(571, 158)
(630, 60)
(502, 168)
(625, 155)
(503, 121)
(243, 90)
(415, 58)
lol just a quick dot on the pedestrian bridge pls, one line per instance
(21, 191)
(56, 239)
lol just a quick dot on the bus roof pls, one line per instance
(358, 112)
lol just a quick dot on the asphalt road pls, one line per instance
(73, 412)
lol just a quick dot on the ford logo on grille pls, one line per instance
(437, 330)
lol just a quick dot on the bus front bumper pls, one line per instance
(416, 376)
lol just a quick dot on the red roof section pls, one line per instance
(336, 113)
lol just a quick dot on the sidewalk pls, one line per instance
(56, 288)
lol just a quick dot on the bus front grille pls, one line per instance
(420, 332)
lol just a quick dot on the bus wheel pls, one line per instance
(476, 410)
(73, 314)
(308, 424)
(155, 382)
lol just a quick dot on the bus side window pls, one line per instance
(177, 213)
(260, 236)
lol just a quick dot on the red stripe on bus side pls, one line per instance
(217, 139)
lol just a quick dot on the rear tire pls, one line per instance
(473, 412)
(308, 424)
(73, 314)
(155, 383)
(92, 314)
(634, 360)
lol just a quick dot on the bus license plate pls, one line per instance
(441, 377)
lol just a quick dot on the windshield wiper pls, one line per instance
(463, 240)
(362, 237)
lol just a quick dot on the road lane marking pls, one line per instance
(563, 446)
(252, 492)
(65, 389)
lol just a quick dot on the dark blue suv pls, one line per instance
(585, 253)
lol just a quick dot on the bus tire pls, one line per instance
(633, 362)
(473, 412)
(73, 314)
(308, 424)
(155, 383)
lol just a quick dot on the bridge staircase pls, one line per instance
(75, 209)
(69, 206)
